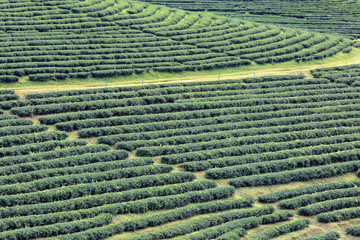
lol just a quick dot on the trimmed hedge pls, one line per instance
(207, 222)
(69, 161)
(76, 179)
(39, 147)
(9, 141)
(282, 165)
(54, 154)
(339, 215)
(233, 235)
(330, 205)
(198, 166)
(131, 225)
(353, 231)
(332, 235)
(151, 204)
(285, 228)
(58, 228)
(109, 164)
(305, 200)
(304, 174)
(298, 192)
(255, 149)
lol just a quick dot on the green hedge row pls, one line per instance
(198, 166)
(9, 78)
(114, 121)
(298, 192)
(4, 117)
(213, 232)
(8, 97)
(58, 228)
(266, 44)
(109, 164)
(329, 206)
(339, 215)
(242, 141)
(53, 154)
(353, 231)
(337, 68)
(39, 147)
(149, 205)
(10, 121)
(305, 200)
(93, 201)
(99, 188)
(205, 223)
(65, 193)
(288, 50)
(282, 165)
(101, 104)
(233, 131)
(3, 92)
(84, 106)
(233, 234)
(42, 77)
(10, 141)
(166, 108)
(61, 181)
(213, 124)
(271, 95)
(131, 225)
(68, 161)
(285, 228)
(17, 130)
(204, 117)
(255, 148)
(332, 235)
(304, 174)
(81, 98)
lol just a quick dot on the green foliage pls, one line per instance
(305, 200)
(298, 192)
(304, 174)
(339, 215)
(58, 228)
(285, 228)
(328, 206)
(226, 222)
(332, 235)
(353, 231)
(131, 225)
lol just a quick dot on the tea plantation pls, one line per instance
(329, 16)
(255, 158)
(63, 39)
(270, 149)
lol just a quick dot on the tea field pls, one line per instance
(269, 150)
(251, 158)
(63, 39)
(329, 16)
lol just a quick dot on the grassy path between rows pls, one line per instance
(26, 87)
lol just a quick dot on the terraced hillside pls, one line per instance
(336, 16)
(62, 39)
(257, 157)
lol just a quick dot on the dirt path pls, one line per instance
(225, 76)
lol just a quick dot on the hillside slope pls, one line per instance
(193, 160)
(102, 38)
(329, 16)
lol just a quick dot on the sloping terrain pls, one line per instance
(255, 157)
(45, 40)
(329, 16)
